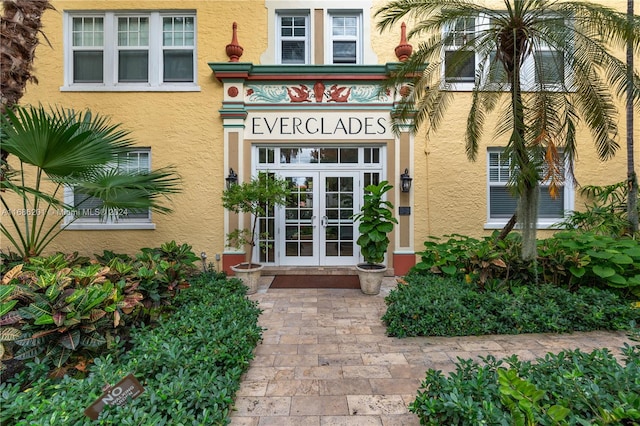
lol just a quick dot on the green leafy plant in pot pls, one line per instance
(376, 222)
(261, 193)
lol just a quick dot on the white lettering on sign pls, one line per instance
(331, 125)
(129, 387)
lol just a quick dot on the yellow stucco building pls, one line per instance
(292, 89)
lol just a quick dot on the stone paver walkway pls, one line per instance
(325, 359)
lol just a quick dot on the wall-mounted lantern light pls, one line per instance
(405, 181)
(232, 179)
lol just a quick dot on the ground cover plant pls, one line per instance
(570, 388)
(189, 363)
(444, 306)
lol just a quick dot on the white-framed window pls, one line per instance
(459, 68)
(89, 212)
(319, 32)
(294, 40)
(501, 204)
(544, 68)
(346, 37)
(130, 51)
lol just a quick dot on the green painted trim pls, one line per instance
(323, 108)
(234, 69)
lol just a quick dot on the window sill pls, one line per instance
(542, 224)
(84, 226)
(130, 88)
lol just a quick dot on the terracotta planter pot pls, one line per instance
(250, 276)
(371, 276)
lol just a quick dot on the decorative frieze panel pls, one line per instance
(329, 92)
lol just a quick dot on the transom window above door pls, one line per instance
(311, 155)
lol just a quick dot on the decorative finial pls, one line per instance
(233, 49)
(404, 49)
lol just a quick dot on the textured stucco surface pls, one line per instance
(184, 129)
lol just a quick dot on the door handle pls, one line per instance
(323, 221)
(313, 220)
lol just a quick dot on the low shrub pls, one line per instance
(569, 388)
(61, 307)
(189, 364)
(570, 259)
(437, 306)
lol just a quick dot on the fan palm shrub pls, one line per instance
(61, 147)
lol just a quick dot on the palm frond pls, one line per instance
(118, 189)
(61, 142)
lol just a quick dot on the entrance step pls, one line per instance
(314, 270)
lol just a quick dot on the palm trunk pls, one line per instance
(632, 179)
(20, 27)
(526, 180)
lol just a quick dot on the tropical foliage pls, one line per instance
(190, 364)
(569, 259)
(60, 307)
(570, 388)
(256, 197)
(443, 306)
(606, 210)
(375, 222)
(60, 147)
(538, 120)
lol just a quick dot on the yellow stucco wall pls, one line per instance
(184, 129)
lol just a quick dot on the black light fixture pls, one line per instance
(232, 179)
(405, 181)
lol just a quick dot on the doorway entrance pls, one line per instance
(315, 227)
(316, 223)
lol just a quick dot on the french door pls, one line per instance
(316, 226)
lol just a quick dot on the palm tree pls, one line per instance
(59, 148)
(539, 118)
(20, 27)
(632, 178)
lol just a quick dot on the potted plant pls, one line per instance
(255, 197)
(376, 221)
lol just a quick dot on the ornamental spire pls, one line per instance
(233, 49)
(404, 49)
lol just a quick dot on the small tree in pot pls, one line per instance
(376, 222)
(255, 197)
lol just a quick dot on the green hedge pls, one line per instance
(436, 306)
(571, 388)
(189, 363)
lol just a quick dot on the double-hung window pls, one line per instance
(294, 38)
(319, 35)
(87, 35)
(89, 212)
(130, 51)
(459, 58)
(548, 68)
(133, 49)
(345, 38)
(501, 204)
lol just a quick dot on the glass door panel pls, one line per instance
(299, 242)
(339, 233)
(317, 223)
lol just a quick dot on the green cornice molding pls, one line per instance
(248, 71)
